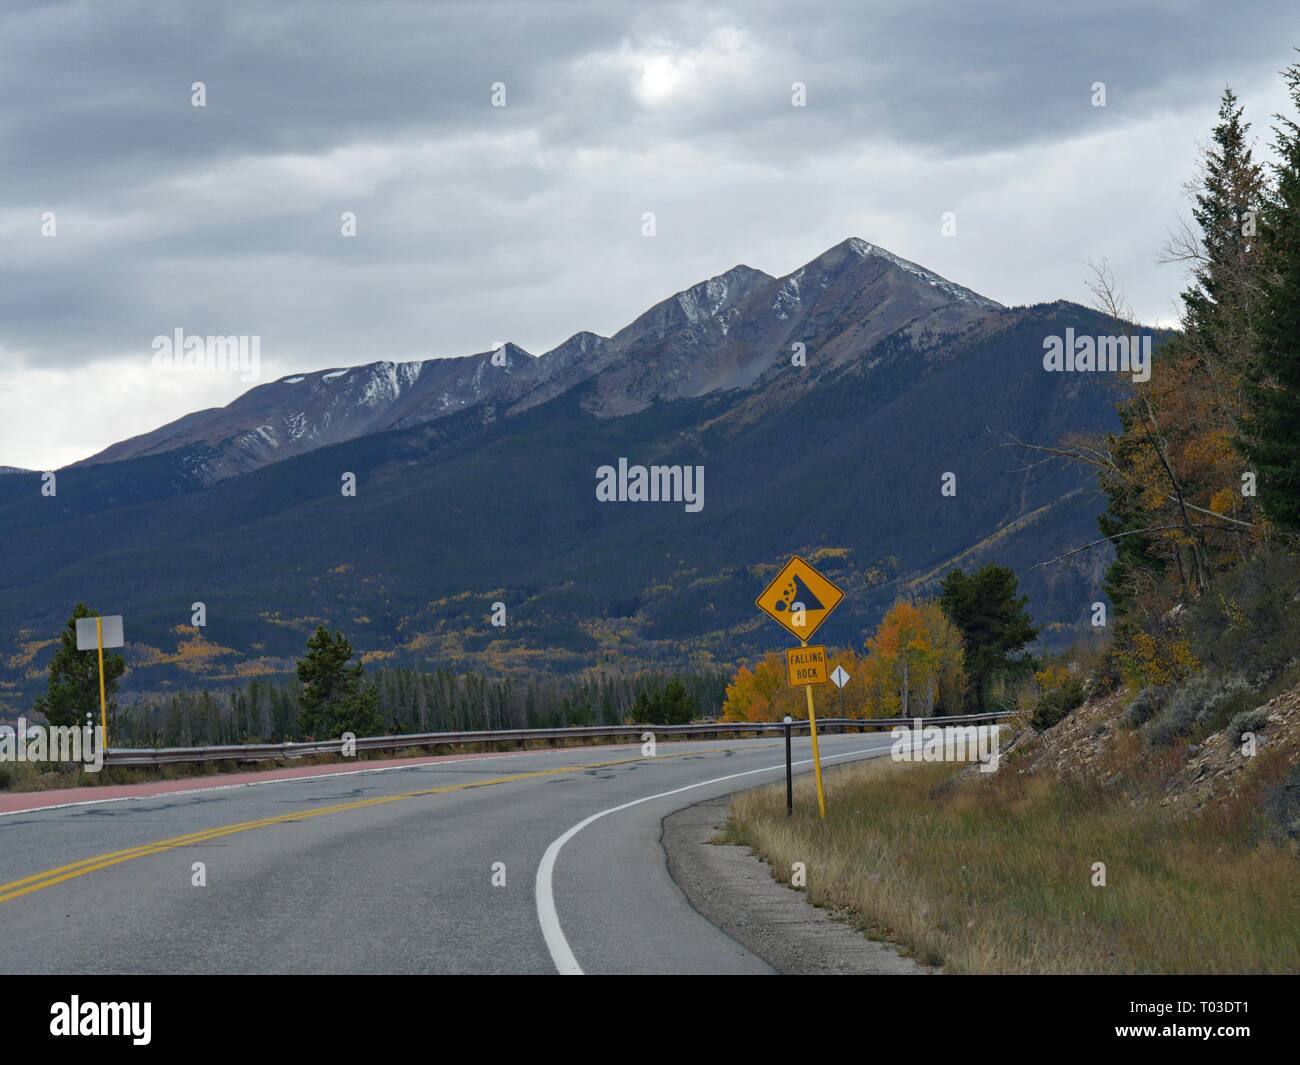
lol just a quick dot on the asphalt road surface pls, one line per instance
(389, 871)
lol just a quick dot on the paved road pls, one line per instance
(388, 872)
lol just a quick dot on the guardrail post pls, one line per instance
(789, 773)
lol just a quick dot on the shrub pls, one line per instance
(1161, 656)
(1234, 697)
(1057, 704)
(1282, 808)
(1249, 623)
(1178, 717)
(1255, 720)
(1145, 705)
(1201, 704)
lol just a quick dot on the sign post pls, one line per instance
(103, 701)
(817, 757)
(800, 599)
(94, 634)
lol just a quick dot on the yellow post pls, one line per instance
(103, 703)
(817, 758)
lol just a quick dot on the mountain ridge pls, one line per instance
(679, 346)
(839, 458)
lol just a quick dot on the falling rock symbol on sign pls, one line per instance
(798, 592)
(799, 598)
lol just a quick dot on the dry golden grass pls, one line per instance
(994, 875)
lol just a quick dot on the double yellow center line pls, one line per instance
(50, 877)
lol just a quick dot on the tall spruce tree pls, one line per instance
(1181, 423)
(676, 705)
(1225, 277)
(334, 700)
(994, 624)
(1271, 426)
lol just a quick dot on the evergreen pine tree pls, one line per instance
(333, 697)
(73, 686)
(676, 704)
(994, 624)
(1271, 427)
(1217, 305)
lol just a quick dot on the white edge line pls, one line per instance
(561, 954)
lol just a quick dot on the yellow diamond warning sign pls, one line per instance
(806, 665)
(799, 598)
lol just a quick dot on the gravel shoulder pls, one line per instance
(735, 891)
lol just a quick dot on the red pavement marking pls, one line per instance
(15, 801)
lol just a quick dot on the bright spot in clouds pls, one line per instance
(659, 76)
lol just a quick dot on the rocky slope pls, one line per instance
(1097, 743)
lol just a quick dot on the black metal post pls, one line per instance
(789, 774)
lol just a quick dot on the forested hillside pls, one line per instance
(842, 459)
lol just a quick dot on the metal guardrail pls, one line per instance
(258, 752)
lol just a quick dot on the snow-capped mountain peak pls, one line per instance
(724, 332)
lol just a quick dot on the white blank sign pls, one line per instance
(87, 640)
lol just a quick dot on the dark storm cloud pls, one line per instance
(100, 93)
(105, 89)
(480, 223)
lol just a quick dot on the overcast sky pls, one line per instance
(477, 223)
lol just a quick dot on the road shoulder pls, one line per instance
(735, 891)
